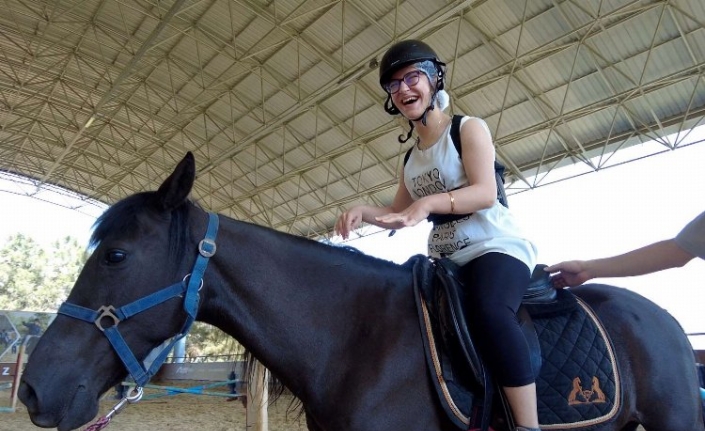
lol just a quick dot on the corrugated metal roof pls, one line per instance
(281, 105)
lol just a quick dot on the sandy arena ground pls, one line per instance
(183, 412)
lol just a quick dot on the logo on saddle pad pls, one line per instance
(593, 395)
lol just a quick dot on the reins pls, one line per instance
(187, 288)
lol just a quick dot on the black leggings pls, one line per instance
(494, 286)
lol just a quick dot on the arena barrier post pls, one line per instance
(256, 415)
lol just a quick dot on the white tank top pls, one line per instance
(439, 169)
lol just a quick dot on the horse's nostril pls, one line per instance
(28, 396)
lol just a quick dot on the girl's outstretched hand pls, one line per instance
(348, 221)
(411, 216)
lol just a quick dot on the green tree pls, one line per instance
(33, 278)
(208, 340)
(65, 259)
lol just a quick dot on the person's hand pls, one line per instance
(411, 216)
(569, 274)
(348, 221)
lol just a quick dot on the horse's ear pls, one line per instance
(175, 190)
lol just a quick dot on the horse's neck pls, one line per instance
(299, 306)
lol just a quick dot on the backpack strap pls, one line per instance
(455, 134)
(407, 155)
(498, 167)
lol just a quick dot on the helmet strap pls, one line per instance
(431, 106)
(402, 139)
(389, 106)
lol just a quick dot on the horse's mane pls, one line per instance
(275, 387)
(342, 253)
(123, 217)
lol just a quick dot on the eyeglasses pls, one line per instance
(410, 79)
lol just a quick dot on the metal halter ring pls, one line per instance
(109, 312)
(186, 279)
(207, 247)
(133, 396)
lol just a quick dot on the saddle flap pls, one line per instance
(449, 299)
(450, 375)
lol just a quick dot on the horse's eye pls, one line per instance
(115, 256)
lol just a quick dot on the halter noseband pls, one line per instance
(188, 288)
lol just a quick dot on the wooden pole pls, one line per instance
(18, 375)
(256, 416)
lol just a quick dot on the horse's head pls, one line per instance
(137, 250)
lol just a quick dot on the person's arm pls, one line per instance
(352, 218)
(651, 258)
(478, 162)
(480, 193)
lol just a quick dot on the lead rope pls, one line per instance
(132, 397)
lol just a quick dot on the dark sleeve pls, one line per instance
(692, 237)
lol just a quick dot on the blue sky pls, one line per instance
(595, 215)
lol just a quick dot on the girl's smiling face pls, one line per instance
(411, 100)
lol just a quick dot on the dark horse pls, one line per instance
(339, 329)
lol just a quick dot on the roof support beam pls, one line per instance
(124, 74)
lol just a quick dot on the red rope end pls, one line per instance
(99, 424)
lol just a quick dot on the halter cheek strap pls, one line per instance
(188, 288)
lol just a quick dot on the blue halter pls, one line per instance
(191, 284)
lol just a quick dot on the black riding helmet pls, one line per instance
(402, 54)
(405, 53)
